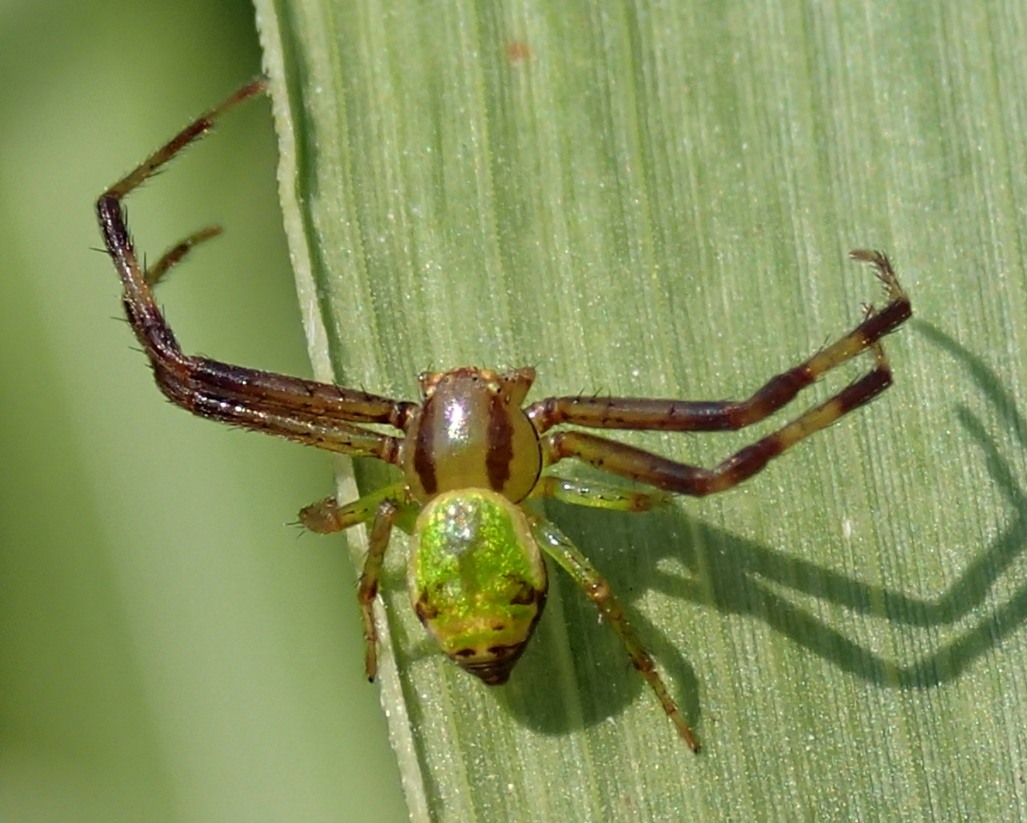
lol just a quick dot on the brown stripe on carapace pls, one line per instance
(500, 442)
(424, 449)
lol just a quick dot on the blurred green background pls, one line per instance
(169, 650)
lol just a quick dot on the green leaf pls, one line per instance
(658, 200)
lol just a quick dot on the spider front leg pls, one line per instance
(154, 273)
(571, 560)
(315, 414)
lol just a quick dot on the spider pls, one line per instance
(471, 454)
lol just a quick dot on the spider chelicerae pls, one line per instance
(471, 454)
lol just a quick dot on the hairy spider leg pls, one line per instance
(154, 273)
(316, 414)
(643, 466)
(682, 478)
(570, 559)
(723, 415)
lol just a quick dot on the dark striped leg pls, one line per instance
(682, 478)
(720, 415)
(571, 560)
(315, 414)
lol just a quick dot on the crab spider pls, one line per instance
(471, 454)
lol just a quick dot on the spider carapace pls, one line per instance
(472, 454)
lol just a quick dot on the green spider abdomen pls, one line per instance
(477, 579)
